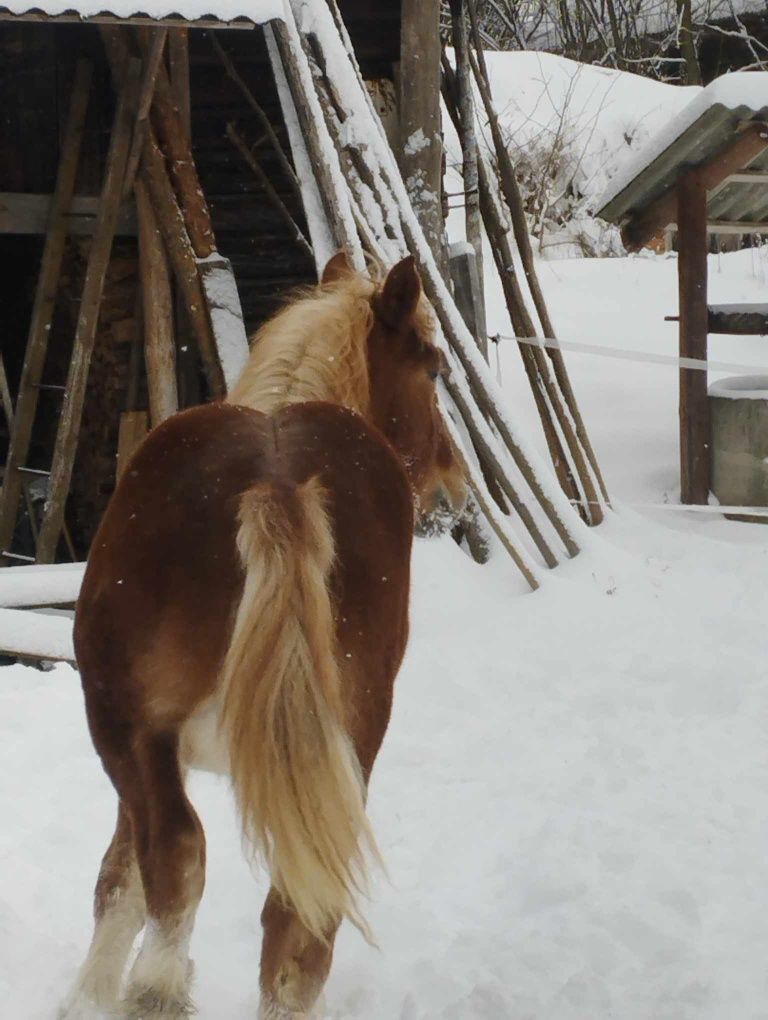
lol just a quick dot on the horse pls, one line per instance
(245, 610)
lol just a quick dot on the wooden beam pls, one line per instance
(750, 143)
(26, 213)
(44, 304)
(421, 147)
(692, 287)
(737, 227)
(152, 64)
(157, 305)
(178, 63)
(748, 177)
(183, 261)
(85, 333)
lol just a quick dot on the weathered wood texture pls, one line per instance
(421, 148)
(692, 286)
(157, 305)
(468, 136)
(74, 396)
(43, 308)
(23, 213)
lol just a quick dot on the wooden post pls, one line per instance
(152, 64)
(182, 257)
(85, 333)
(421, 149)
(468, 292)
(692, 288)
(467, 135)
(157, 303)
(43, 308)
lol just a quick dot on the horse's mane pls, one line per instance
(312, 349)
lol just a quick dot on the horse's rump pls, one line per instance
(298, 636)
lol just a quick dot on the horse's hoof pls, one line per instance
(148, 1004)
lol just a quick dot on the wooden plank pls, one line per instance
(421, 147)
(30, 635)
(178, 61)
(51, 585)
(134, 426)
(468, 292)
(6, 402)
(154, 56)
(468, 139)
(25, 213)
(172, 132)
(182, 259)
(43, 307)
(157, 303)
(85, 332)
(748, 177)
(226, 314)
(745, 147)
(692, 288)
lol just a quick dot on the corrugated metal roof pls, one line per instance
(655, 171)
(249, 12)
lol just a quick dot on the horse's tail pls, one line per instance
(295, 773)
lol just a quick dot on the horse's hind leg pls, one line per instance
(171, 853)
(294, 964)
(119, 913)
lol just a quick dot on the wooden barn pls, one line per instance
(144, 151)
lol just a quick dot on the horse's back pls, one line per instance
(164, 577)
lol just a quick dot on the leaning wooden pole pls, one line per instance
(44, 303)
(468, 138)
(85, 332)
(514, 202)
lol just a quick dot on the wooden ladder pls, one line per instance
(17, 473)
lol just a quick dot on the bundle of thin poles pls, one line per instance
(356, 199)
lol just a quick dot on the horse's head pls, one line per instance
(404, 366)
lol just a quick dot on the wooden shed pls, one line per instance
(705, 173)
(102, 333)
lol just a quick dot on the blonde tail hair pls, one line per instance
(295, 773)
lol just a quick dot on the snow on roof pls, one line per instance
(253, 11)
(743, 93)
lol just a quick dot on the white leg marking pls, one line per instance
(97, 987)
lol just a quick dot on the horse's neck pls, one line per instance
(281, 372)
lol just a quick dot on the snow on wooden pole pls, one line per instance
(421, 147)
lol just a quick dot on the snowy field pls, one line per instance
(572, 799)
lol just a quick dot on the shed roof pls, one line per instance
(224, 12)
(711, 122)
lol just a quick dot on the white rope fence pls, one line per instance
(628, 354)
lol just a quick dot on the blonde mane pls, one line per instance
(313, 349)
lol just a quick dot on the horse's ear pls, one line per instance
(400, 294)
(337, 268)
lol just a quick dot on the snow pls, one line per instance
(226, 315)
(569, 126)
(747, 89)
(571, 798)
(36, 635)
(40, 585)
(741, 387)
(257, 11)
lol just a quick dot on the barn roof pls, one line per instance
(237, 13)
(703, 129)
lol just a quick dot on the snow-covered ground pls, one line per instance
(572, 799)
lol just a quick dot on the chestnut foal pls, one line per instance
(245, 609)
